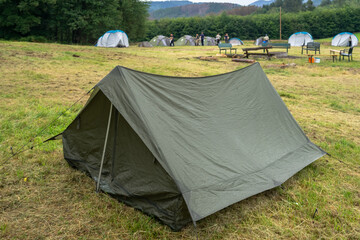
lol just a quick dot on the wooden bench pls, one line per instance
(334, 54)
(277, 45)
(225, 47)
(311, 46)
(249, 51)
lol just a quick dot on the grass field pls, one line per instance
(41, 197)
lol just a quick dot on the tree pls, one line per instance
(292, 5)
(71, 21)
(19, 17)
(133, 14)
(308, 6)
(325, 3)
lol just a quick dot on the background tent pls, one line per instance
(184, 148)
(186, 40)
(299, 39)
(259, 41)
(343, 40)
(160, 40)
(145, 44)
(236, 41)
(209, 41)
(113, 38)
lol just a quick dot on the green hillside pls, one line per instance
(192, 10)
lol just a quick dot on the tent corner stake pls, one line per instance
(103, 154)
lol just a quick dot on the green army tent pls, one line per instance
(180, 148)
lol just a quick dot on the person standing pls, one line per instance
(202, 36)
(226, 38)
(197, 40)
(172, 40)
(266, 39)
(218, 37)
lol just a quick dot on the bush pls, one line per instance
(39, 39)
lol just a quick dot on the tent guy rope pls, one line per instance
(23, 147)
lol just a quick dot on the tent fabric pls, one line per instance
(182, 149)
(185, 40)
(113, 38)
(209, 41)
(259, 41)
(145, 44)
(345, 39)
(236, 42)
(300, 39)
(160, 40)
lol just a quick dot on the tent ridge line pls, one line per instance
(157, 75)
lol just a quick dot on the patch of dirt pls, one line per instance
(283, 65)
(290, 57)
(38, 54)
(354, 70)
(207, 58)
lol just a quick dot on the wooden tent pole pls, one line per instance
(103, 154)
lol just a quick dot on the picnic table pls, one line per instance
(225, 47)
(334, 53)
(250, 51)
(277, 45)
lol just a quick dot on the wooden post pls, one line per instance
(280, 23)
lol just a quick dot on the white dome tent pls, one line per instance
(300, 39)
(113, 38)
(344, 39)
(259, 41)
(236, 41)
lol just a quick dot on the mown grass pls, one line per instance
(41, 197)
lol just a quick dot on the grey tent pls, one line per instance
(181, 148)
(144, 44)
(185, 40)
(160, 40)
(209, 41)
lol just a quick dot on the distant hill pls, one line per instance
(260, 3)
(190, 10)
(243, 11)
(166, 4)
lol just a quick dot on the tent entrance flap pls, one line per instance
(129, 172)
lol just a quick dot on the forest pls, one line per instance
(83, 21)
(321, 23)
(70, 21)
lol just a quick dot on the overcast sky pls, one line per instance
(241, 2)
